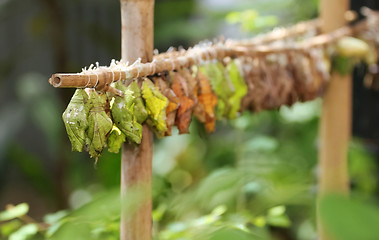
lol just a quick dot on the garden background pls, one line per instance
(256, 174)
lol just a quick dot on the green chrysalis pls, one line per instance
(123, 114)
(99, 123)
(115, 140)
(75, 119)
(220, 85)
(240, 89)
(139, 109)
(156, 105)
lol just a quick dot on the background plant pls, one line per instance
(254, 178)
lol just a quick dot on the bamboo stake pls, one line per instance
(136, 161)
(335, 119)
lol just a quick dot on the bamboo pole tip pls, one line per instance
(55, 80)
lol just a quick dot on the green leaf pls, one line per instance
(56, 220)
(233, 17)
(218, 188)
(10, 227)
(104, 210)
(156, 104)
(123, 114)
(278, 221)
(261, 144)
(348, 219)
(14, 212)
(24, 232)
(265, 21)
(115, 140)
(250, 20)
(99, 124)
(229, 234)
(52, 218)
(75, 119)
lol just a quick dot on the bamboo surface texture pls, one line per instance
(335, 121)
(136, 161)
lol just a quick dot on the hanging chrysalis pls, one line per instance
(287, 95)
(271, 79)
(239, 87)
(122, 110)
(349, 51)
(192, 84)
(352, 47)
(184, 114)
(173, 103)
(215, 73)
(207, 101)
(252, 72)
(99, 123)
(115, 140)
(302, 75)
(75, 119)
(156, 105)
(139, 110)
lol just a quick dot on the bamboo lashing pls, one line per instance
(100, 78)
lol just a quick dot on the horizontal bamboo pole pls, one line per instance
(101, 78)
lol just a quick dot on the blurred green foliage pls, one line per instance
(347, 219)
(251, 21)
(255, 174)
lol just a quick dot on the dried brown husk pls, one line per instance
(192, 83)
(184, 113)
(258, 88)
(287, 93)
(250, 71)
(270, 68)
(207, 101)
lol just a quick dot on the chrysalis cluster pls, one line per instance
(95, 120)
(212, 90)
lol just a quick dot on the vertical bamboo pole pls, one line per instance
(137, 17)
(335, 118)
